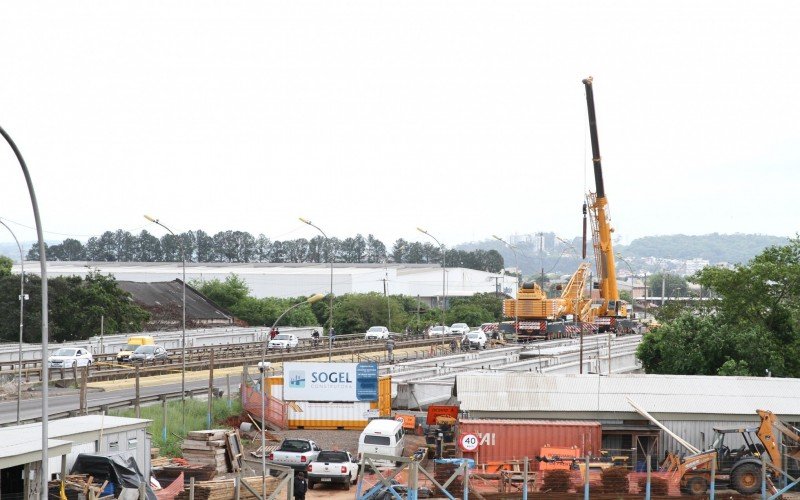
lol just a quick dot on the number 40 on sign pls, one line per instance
(468, 442)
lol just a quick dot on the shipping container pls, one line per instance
(334, 415)
(504, 440)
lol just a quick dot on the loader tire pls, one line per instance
(697, 486)
(746, 479)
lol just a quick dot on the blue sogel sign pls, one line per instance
(367, 381)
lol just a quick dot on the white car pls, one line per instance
(459, 329)
(67, 357)
(283, 341)
(438, 331)
(335, 467)
(476, 339)
(377, 333)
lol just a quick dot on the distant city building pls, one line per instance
(540, 241)
(692, 266)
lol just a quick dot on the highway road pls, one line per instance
(68, 400)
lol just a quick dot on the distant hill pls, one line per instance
(716, 248)
(731, 248)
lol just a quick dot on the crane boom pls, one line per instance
(601, 225)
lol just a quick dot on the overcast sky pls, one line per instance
(466, 118)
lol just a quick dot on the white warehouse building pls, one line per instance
(293, 280)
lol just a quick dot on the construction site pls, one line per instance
(564, 410)
(551, 403)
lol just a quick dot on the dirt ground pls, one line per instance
(348, 441)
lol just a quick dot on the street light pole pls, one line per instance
(183, 322)
(314, 298)
(444, 277)
(21, 317)
(330, 306)
(516, 264)
(43, 263)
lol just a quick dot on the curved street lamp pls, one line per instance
(314, 298)
(330, 306)
(444, 277)
(45, 315)
(644, 282)
(516, 264)
(183, 321)
(21, 317)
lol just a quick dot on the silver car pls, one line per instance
(149, 354)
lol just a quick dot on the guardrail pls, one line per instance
(223, 356)
(220, 350)
(121, 403)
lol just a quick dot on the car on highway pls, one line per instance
(149, 354)
(283, 341)
(377, 333)
(459, 329)
(134, 341)
(334, 467)
(476, 339)
(67, 357)
(438, 331)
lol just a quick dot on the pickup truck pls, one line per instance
(335, 467)
(295, 453)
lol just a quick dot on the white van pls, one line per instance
(383, 437)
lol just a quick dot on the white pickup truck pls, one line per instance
(295, 453)
(334, 467)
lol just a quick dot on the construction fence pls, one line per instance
(420, 477)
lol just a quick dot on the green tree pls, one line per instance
(224, 293)
(5, 265)
(471, 314)
(354, 313)
(490, 302)
(674, 285)
(76, 305)
(750, 326)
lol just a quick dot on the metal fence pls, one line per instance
(418, 477)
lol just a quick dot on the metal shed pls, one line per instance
(21, 446)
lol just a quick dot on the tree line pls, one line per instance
(352, 313)
(75, 307)
(243, 247)
(750, 326)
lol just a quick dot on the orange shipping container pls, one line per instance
(502, 440)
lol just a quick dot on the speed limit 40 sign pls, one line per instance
(468, 442)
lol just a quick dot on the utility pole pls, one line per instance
(663, 286)
(541, 257)
(386, 294)
(496, 285)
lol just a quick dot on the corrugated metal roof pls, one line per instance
(656, 393)
(527, 422)
(168, 295)
(18, 442)
(65, 427)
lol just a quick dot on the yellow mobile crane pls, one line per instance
(609, 312)
(543, 318)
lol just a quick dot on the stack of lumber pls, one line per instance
(206, 447)
(198, 472)
(224, 489)
(77, 485)
(160, 461)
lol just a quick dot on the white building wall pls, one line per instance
(304, 280)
